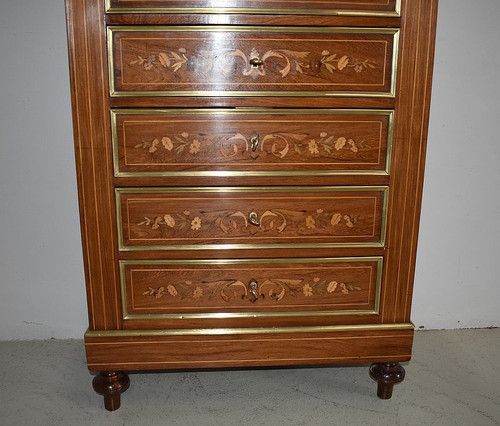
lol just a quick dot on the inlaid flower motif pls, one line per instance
(348, 221)
(310, 222)
(169, 220)
(167, 143)
(196, 223)
(280, 145)
(156, 223)
(307, 290)
(154, 145)
(332, 286)
(159, 292)
(217, 61)
(343, 288)
(272, 288)
(313, 147)
(198, 292)
(172, 290)
(340, 143)
(336, 218)
(195, 146)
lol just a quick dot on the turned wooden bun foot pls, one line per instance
(387, 375)
(111, 384)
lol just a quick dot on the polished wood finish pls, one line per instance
(305, 164)
(258, 6)
(155, 142)
(247, 350)
(264, 216)
(387, 375)
(182, 288)
(111, 384)
(161, 61)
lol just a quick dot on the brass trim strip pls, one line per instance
(255, 11)
(297, 189)
(274, 93)
(249, 111)
(253, 330)
(254, 314)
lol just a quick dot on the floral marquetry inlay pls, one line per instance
(253, 64)
(234, 146)
(251, 216)
(233, 290)
(273, 220)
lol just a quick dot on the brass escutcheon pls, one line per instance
(253, 218)
(253, 288)
(254, 143)
(256, 62)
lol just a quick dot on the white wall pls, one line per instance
(458, 269)
(41, 277)
(41, 272)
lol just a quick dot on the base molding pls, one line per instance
(136, 350)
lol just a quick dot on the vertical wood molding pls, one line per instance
(410, 139)
(86, 40)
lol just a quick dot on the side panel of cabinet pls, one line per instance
(88, 71)
(410, 139)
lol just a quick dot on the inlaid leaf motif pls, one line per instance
(235, 290)
(343, 62)
(272, 220)
(164, 60)
(236, 146)
(206, 61)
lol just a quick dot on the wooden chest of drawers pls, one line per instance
(250, 177)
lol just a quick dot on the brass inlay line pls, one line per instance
(249, 111)
(253, 29)
(292, 189)
(253, 314)
(396, 13)
(245, 331)
(251, 189)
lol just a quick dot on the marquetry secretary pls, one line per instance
(250, 177)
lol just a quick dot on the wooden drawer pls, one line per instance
(250, 288)
(251, 142)
(332, 7)
(252, 61)
(247, 218)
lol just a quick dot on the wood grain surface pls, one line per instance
(229, 163)
(152, 142)
(160, 60)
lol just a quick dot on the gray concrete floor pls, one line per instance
(453, 379)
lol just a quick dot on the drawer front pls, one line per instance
(252, 61)
(332, 7)
(198, 142)
(281, 287)
(232, 218)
